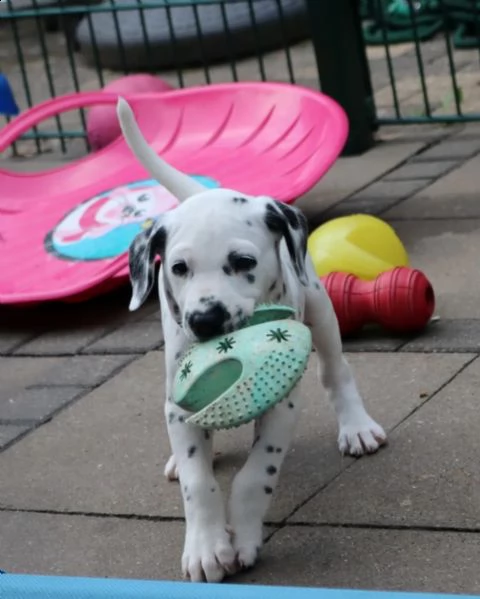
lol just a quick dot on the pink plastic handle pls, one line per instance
(28, 119)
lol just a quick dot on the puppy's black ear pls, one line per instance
(290, 223)
(141, 256)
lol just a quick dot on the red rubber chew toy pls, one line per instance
(401, 300)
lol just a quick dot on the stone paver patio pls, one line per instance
(81, 417)
(82, 438)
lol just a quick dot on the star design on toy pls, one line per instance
(227, 344)
(186, 370)
(278, 335)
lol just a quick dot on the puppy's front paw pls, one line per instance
(208, 554)
(247, 542)
(171, 470)
(360, 434)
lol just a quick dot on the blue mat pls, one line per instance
(16, 586)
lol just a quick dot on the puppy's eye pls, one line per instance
(143, 198)
(242, 263)
(180, 268)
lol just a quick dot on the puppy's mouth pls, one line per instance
(227, 328)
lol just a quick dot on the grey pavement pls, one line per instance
(84, 443)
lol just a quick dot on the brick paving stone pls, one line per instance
(153, 316)
(136, 337)
(454, 195)
(451, 336)
(422, 170)
(373, 206)
(383, 189)
(61, 342)
(447, 251)
(383, 560)
(36, 404)
(19, 372)
(350, 174)
(373, 341)
(9, 432)
(10, 340)
(456, 148)
(84, 371)
(67, 545)
(376, 198)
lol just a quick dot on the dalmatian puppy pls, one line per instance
(222, 253)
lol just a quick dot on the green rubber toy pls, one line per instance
(230, 380)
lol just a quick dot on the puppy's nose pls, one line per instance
(205, 325)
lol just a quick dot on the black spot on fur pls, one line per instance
(188, 498)
(256, 440)
(249, 223)
(284, 289)
(291, 405)
(290, 214)
(270, 449)
(206, 434)
(185, 489)
(282, 220)
(191, 451)
(141, 260)
(181, 418)
(154, 244)
(240, 200)
(268, 490)
(227, 269)
(272, 286)
(250, 278)
(278, 297)
(271, 470)
(171, 417)
(278, 450)
(177, 355)
(316, 285)
(212, 490)
(274, 220)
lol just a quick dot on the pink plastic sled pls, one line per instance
(65, 232)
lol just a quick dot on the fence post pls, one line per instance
(343, 66)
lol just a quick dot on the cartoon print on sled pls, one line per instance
(103, 227)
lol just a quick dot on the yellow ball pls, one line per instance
(360, 244)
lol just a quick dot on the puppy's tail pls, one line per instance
(180, 185)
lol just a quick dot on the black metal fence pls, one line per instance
(385, 61)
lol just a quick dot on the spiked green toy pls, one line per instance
(234, 378)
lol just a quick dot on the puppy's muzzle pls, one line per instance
(208, 324)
